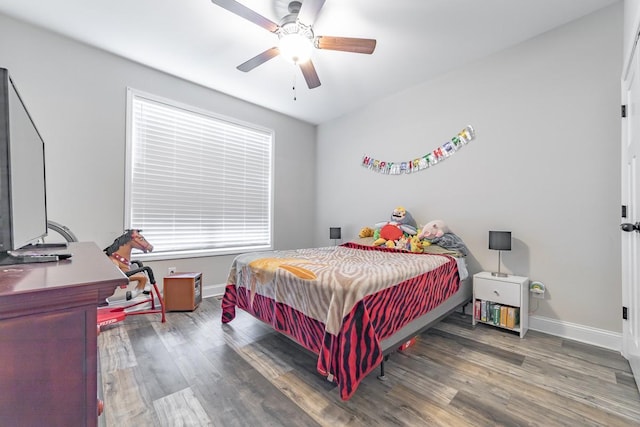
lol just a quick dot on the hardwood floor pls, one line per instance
(194, 371)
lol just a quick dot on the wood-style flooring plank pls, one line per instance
(181, 408)
(431, 412)
(116, 352)
(157, 369)
(125, 401)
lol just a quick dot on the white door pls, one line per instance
(631, 223)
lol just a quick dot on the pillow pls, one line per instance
(435, 249)
(364, 241)
(429, 249)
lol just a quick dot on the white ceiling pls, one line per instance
(203, 43)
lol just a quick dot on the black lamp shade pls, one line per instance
(335, 233)
(500, 240)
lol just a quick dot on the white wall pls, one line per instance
(76, 95)
(545, 164)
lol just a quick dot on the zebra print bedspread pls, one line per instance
(339, 302)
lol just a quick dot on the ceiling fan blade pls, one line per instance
(309, 11)
(310, 75)
(259, 59)
(345, 44)
(248, 14)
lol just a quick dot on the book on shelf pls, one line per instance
(511, 317)
(503, 315)
(493, 313)
(483, 311)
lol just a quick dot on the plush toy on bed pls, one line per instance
(366, 232)
(418, 245)
(437, 233)
(401, 222)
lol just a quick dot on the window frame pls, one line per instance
(193, 253)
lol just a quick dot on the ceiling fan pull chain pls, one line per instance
(295, 93)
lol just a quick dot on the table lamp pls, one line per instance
(499, 241)
(335, 233)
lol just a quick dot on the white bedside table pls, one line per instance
(492, 293)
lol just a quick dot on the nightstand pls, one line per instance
(501, 301)
(182, 291)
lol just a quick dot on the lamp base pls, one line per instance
(498, 274)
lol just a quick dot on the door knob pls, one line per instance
(628, 227)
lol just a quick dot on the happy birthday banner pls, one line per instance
(434, 157)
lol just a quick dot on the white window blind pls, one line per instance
(197, 184)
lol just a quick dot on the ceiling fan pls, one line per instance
(296, 37)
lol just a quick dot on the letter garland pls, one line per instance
(434, 157)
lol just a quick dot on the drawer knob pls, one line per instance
(496, 292)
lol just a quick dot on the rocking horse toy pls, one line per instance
(120, 253)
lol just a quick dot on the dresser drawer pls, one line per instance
(497, 291)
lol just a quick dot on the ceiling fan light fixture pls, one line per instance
(296, 38)
(295, 48)
(295, 42)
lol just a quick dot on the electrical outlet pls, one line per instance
(171, 270)
(537, 294)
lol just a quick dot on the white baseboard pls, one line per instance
(573, 331)
(212, 290)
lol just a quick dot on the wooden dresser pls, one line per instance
(48, 338)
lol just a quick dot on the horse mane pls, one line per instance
(119, 241)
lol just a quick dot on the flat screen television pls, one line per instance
(23, 200)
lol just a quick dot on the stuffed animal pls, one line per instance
(433, 229)
(417, 245)
(403, 243)
(438, 233)
(365, 232)
(400, 222)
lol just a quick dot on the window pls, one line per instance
(197, 184)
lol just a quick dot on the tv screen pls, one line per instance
(23, 206)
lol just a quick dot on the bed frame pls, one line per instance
(390, 345)
(459, 300)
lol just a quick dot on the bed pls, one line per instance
(351, 304)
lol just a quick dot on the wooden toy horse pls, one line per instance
(120, 254)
